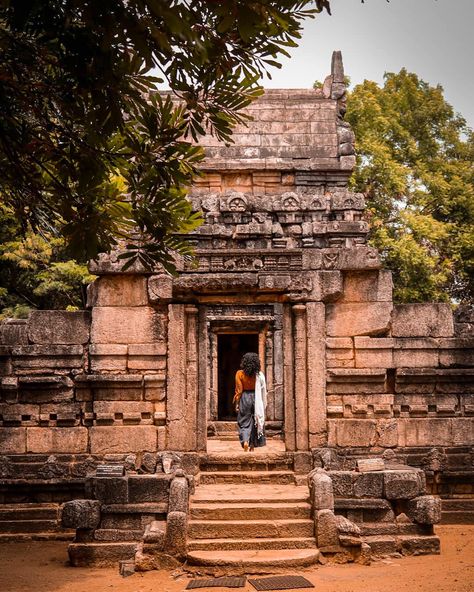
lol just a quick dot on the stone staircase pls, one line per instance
(32, 521)
(251, 512)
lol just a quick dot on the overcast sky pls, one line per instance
(433, 38)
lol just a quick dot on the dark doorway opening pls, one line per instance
(230, 349)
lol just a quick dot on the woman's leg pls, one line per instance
(245, 418)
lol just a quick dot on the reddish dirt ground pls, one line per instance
(42, 567)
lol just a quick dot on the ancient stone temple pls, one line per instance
(126, 407)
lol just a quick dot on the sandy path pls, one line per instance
(42, 567)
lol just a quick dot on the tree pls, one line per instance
(415, 163)
(88, 150)
(35, 272)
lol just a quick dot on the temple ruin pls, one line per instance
(111, 419)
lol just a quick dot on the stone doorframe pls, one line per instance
(264, 331)
(293, 338)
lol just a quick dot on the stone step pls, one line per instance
(250, 511)
(29, 526)
(460, 517)
(392, 528)
(248, 493)
(256, 477)
(118, 535)
(248, 462)
(419, 545)
(10, 512)
(383, 545)
(247, 544)
(228, 529)
(64, 535)
(100, 554)
(254, 561)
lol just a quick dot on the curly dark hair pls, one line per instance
(250, 364)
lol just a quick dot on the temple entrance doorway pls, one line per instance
(230, 349)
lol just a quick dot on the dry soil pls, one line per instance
(42, 567)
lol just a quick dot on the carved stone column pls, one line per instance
(182, 378)
(301, 395)
(268, 369)
(204, 375)
(288, 379)
(176, 379)
(191, 397)
(316, 333)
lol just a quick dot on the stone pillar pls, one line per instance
(288, 374)
(214, 376)
(191, 398)
(268, 369)
(203, 380)
(181, 434)
(278, 364)
(316, 344)
(301, 395)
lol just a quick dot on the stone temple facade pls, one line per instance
(144, 377)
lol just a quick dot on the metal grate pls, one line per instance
(227, 582)
(281, 583)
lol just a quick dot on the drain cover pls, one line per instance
(281, 583)
(227, 582)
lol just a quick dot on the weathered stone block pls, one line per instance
(457, 352)
(422, 320)
(302, 462)
(121, 324)
(160, 288)
(179, 495)
(148, 488)
(12, 440)
(425, 509)
(415, 353)
(347, 320)
(122, 439)
(369, 485)
(109, 387)
(427, 432)
(327, 534)
(367, 286)
(109, 356)
(354, 432)
(81, 514)
(320, 484)
(342, 483)
(108, 490)
(44, 389)
(47, 440)
(401, 484)
(176, 534)
(155, 387)
(118, 290)
(59, 327)
(372, 352)
(14, 332)
(47, 356)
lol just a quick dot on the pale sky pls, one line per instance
(433, 38)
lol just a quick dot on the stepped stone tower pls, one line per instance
(283, 270)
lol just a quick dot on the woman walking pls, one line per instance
(250, 402)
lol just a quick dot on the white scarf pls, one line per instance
(260, 402)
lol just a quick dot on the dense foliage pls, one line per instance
(415, 163)
(75, 84)
(90, 156)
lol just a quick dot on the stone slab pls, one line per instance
(48, 440)
(121, 324)
(347, 320)
(122, 439)
(422, 320)
(59, 327)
